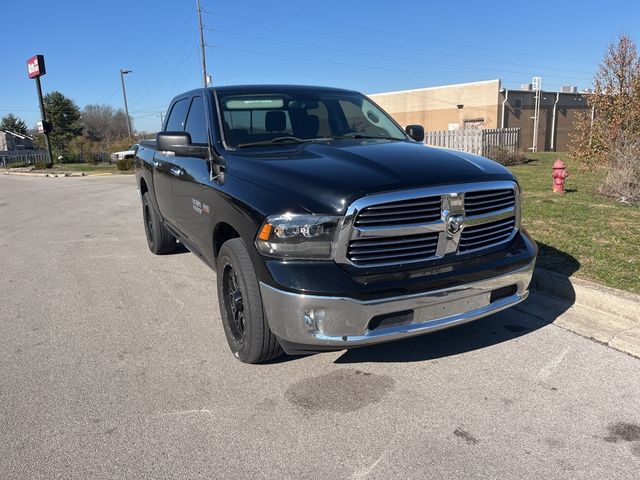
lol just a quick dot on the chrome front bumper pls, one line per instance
(309, 320)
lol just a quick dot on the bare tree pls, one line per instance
(616, 84)
(616, 104)
(103, 123)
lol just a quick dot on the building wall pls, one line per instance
(9, 141)
(6, 142)
(436, 108)
(569, 106)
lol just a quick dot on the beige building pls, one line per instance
(487, 105)
(558, 113)
(464, 105)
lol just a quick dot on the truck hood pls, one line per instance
(326, 177)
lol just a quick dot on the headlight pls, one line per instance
(298, 236)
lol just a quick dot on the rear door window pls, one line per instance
(196, 124)
(177, 116)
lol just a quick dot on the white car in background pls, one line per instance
(130, 153)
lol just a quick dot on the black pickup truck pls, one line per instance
(329, 226)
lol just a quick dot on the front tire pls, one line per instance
(247, 331)
(159, 238)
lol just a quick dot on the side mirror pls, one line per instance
(416, 132)
(179, 143)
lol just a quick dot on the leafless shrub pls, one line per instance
(506, 157)
(623, 177)
(615, 107)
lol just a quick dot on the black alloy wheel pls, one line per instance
(159, 238)
(234, 303)
(148, 222)
(245, 325)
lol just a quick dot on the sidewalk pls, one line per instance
(604, 314)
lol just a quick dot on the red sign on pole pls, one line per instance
(35, 66)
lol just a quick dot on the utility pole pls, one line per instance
(124, 94)
(205, 78)
(161, 120)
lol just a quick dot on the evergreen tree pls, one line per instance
(14, 124)
(64, 116)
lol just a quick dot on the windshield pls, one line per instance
(263, 118)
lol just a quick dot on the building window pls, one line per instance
(474, 123)
(517, 104)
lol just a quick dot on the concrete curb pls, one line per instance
(587, 294)
(604, 314)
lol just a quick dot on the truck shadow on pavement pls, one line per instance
(180, 248)
(536, 312)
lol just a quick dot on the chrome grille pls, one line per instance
(406, 212)
(486, 234)
(402, 227)
(480, 203)
(409, 248)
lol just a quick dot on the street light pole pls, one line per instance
(124, 94)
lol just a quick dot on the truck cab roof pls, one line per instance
(273, 88)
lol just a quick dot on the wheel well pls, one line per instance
(221, 234)
(143, 187)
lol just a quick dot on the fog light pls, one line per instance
(313, 319)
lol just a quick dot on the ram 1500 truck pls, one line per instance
(329, 226)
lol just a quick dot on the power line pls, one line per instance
(19, 109)
(151, 109)
(152, 81)
(143, 59)
(334, 62)
(182, 72)
(374, 42)
(154, 114)
(345, 50)
(155, 77)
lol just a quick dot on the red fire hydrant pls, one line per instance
(559, 176)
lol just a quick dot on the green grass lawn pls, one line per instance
(86, 167)
(581, 233)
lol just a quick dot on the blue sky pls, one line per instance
(371, 46)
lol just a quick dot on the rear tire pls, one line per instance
(247, 331)
(159, 238)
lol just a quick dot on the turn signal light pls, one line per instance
(265, 231)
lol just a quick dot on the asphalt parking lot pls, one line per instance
(113, 364)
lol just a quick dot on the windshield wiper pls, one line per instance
(365, 135)
(289, 139)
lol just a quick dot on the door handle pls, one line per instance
(177, 171)
(156, 164)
